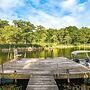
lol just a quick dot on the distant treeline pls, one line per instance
(24, 32)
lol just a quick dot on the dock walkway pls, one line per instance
(42, 82)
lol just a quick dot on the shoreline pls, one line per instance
(45, 47)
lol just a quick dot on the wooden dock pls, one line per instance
(42, 82)
(43, 72)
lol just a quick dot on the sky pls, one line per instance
(48, 13)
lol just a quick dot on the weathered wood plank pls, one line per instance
(56, 65)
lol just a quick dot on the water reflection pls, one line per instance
(65, 52)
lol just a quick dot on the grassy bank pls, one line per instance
(7, 46)
(84, 45)
(18, 45)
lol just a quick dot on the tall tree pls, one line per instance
(26, 28)
(11, 34)
(72, 30)
(3, 23)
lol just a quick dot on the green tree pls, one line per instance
(72, 32)
(84, 35)
(11, 34)
(3, 23)
(26, 28)
(40, 34)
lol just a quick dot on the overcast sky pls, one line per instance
(49, 13)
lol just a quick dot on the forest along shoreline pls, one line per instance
(24, 33)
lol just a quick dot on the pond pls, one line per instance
(57, 52)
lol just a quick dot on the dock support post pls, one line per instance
(15, 77)
(2, 72)
(68, 79)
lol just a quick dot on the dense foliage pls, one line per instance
(23, 32)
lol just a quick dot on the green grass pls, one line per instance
(10, 87)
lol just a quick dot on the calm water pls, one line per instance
(66, 52)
